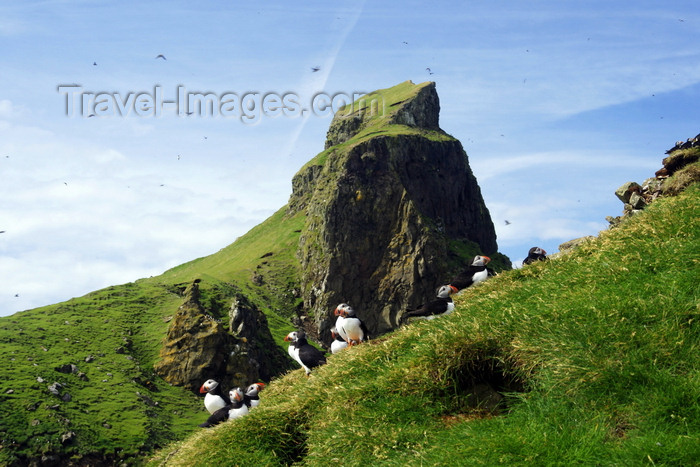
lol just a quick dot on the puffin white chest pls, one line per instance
(213, 402)
(340, 326)
(337, 346)
(237, 412)
(353, 329)
(480, 276)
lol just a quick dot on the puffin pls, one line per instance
(475, 273)
(349, 326)
(235, 409)
(215, 398)
(308, 356)
(252, 399)
(338, 343)
(441, 306)
(535, 254)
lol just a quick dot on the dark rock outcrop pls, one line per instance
(198, 347)
(391, 206)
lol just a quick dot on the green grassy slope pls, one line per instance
(119, 407)
(595, 354)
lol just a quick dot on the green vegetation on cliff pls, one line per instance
(114, 404)
(111, 407)
(588, 359)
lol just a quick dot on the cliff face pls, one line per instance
(392, 206)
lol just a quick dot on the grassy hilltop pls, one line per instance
(591, 359)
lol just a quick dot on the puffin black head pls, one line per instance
(346, 311)
(536, 251)
(481, 260)
(236, 394)
(444, 291)
(339, 309)
(254, 389)
(209, 385)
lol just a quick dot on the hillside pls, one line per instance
(588, 359)
(109, 377)
(111, 406)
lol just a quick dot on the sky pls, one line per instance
(117, 164)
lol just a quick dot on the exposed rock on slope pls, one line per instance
(680, 169)
(392, 207)
(198, 347)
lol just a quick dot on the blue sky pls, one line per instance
(556, 105)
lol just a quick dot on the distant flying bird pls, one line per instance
(2, 231)
(94, 63)
(507, 222)
(405, 42)
(161, 56)
(314, 69)
(429, 71)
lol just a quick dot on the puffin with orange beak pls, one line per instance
(349, 326)
(476, 272)
(441, 306)
(308, 356)
(215, 398)
(235, 409)
(252, 399)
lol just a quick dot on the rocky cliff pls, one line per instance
(198, 346)
(392, 209)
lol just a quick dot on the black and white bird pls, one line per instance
(535, 254)
(441, 306)
(476, 272)
(235, 409)
(349, 326)
(252, 398)
(215, 398)
(308, 356)
(338, 343)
